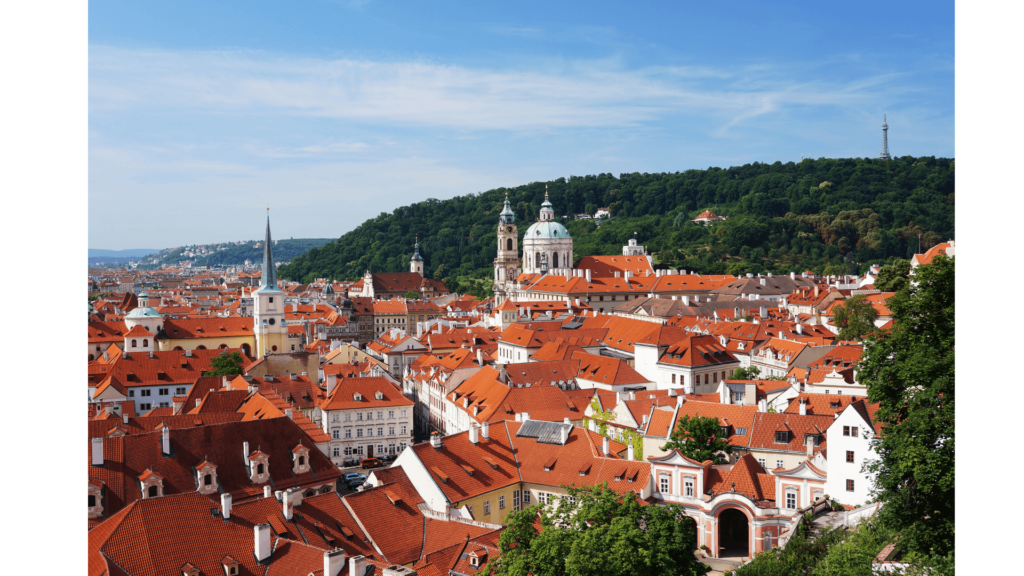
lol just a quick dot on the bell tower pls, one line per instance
(506, 265)
(416, 265)
(268, 306)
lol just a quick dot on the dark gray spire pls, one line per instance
(269, 279)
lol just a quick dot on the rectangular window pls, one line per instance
(403, 429)
(337, 451)
(849, 456)
(348, 417)
(664, 483)
(369, 432)
(778, 463)
(791, 499)
(501, 502)
(781, 437)
(380, 431)
(147, 392)
(526, 497)
(487, 507)
(705, 378)
(359, 433)
(336, 434)
(849, 485)
(348, 433)
(854, 432)
(515, 499)
(688, 487)
(391, 430)
(165, 404)
(762, 462)
(180, 390)
(163, 392)
(359, 416)
(131, 393)
(380, 415)
(391, 414)
(714, 377)
(470, 507)
(145, 406)
(369, 415)
(542, 497)
(846, 430)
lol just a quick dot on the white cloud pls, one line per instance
(419, 93)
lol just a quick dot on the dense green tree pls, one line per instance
(226, 364)
(412, 295)
(789, 217)
(750, 373)
(910, 372)
(893, 277)
(597, 531)
(699, 438)
(855, 317)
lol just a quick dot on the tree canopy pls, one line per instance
(595, 530)
(855, 317)
(839, 214)
(893, 277)
(699, 438)
(226, 364)
(910, 372)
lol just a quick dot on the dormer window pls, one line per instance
(151, 484)
(230, 566)
(95, 498)
(187, 569)
(206, 473)
(259, 467)
(781, 437)
(300, 459)
(357, 397)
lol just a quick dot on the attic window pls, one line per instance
(469, 469)
(782, 437)
(440, 475)
(550, 464)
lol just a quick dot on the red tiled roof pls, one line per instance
(607, 370)
(345, 391)
(192, 328)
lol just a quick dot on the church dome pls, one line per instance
(546, 230)
(144, 312)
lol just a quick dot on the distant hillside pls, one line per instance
(130, 253)
(828, 215)
(224, 253)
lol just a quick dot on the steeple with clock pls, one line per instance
(506, 265)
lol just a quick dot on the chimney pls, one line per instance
(245, 451)
(762, 405)
(593, 425)
(764, 313)
(675, 298)
(334, 561)
(357, 566)
(685, 299)
(332, 381)
(803, 407)
(288, 504)
(629, 451)
(792, 275)
(474, 434)
(799, 328)
(815, 290)
(563, 433)
(588, 274)
(526, 416)
(479, 357)
(680, 399)
(485, 431)
(165, 436)
(225, 506)
(266, 491)
(810, 447)
(288, 412)
(124, 418)
(616, 274)
(643, 422)
(632, 395)
(605, 446)
(762, 281)
(435, 440)
(628, 274)
(97, 451)
(262, 532)
(188, 353)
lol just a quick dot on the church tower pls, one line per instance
(416, 265)
(506, 265)
(268, 306)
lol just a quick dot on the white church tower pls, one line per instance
(268, 306)
(547, 242)
(416, 265)
(506, 265)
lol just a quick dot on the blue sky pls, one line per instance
(202, 113)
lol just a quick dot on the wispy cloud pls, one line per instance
(418, 93)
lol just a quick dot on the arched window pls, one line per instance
(223, 346)
(555, 260)
(537, 261)
(509, 245)
(145, 342)
(179, 348)
(247, 349)
(152, 491)
(134, 343)
(200, 347)
(207, 480)
(259, 468)
(302, 460)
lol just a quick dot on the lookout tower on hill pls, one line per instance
(885, 140)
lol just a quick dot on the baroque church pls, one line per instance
(547, 248)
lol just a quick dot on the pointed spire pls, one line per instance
(269, 279)
(416, 255)
(507, 216)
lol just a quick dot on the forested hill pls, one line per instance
(827, 215)
(229, 253)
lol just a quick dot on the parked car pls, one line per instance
(371, 463)
(352, 485)
(350, 476)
